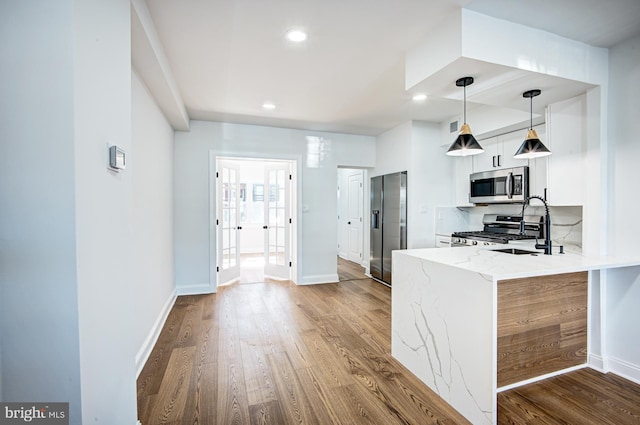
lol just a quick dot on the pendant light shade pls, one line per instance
(465, 144)
(532, 147)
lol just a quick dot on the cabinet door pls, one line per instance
(566, 138)
(488, 160)
(462, 168)
(509, 144)
(443, 241)
(538, 167)
(499, 151)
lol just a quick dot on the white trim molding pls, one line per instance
(623, 368)
(145, 351)
(198, 289)
(318, 279)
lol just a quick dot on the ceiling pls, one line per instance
(228, 57)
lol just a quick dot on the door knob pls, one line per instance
(348, 222)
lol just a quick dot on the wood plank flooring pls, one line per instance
(581, 397)
(277, 353)
(348, 270)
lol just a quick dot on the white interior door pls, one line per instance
(277, 218)
(228, 221)
(354, 217)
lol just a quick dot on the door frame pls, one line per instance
(296, 208)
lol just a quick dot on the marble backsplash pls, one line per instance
(566, 222)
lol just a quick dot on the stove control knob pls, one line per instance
(487, 243)
(474, 243)
(464, 241)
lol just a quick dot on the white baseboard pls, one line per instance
(150, 341)
(541, 377)
(616, 366)
(623, 368)
(596, 362)
(200, 289)
(318, 278)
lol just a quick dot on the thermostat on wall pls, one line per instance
(117, 158)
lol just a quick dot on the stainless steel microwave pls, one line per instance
(508, 185)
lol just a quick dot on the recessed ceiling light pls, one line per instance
(419, 97)
(269, 106)
(297, 36)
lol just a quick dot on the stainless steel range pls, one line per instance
(500, 229)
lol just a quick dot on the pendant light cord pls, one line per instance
(531, 112)
(465, 103)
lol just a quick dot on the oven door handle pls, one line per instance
(510, 185)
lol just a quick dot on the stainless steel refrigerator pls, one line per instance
(388, 222)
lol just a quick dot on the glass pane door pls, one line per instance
(277, 216)
(228, 222)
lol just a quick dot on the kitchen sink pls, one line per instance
(515, 251)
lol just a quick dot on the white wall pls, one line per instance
(416, 147)
(624, 104)
(393, 148)
(151, 169)
(66, 317)
(432, 183)
(38, 302)
(318, 155)
(104, 210)
(622, 290)
(621, 340)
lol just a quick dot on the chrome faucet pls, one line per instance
(547, 224)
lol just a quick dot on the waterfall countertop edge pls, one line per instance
(498, 265)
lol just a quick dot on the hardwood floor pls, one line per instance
(348, 270)
(277, 353)
(581, 397)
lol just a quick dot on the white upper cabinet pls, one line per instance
(462, 169)
(562, 173)
(538, 167)
(488, 160)
(499, 151)
(566, 139)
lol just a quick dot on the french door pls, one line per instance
(228, 221)
(277, 218)
(266, 203)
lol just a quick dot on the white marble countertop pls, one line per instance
(498, 265)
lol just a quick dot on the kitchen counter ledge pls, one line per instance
(498, 265)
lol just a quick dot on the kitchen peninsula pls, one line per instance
(472, 321)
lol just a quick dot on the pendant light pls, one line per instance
(532, 147)
(465, 144)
